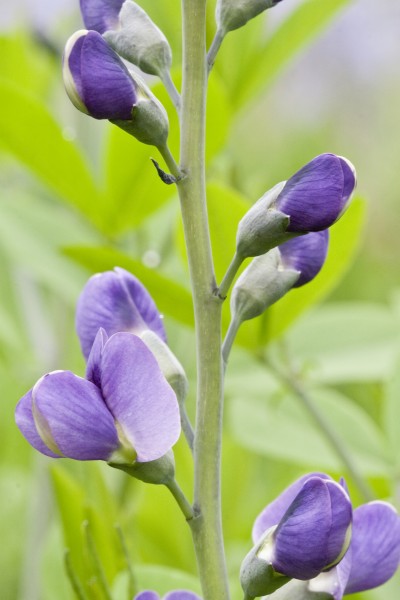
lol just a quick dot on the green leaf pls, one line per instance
(270, 421)
(343, 245)
(303, 24)
(346, 341)
(170, 297)
(391, 415)
(133, 189)
(24, 123)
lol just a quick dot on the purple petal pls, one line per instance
(26, 423)
(306, 253)
(273, 513)
(147, 595)
(302, 536)
(349, 175)
(107, 89)
(115, 301)
(375, 546)
(101, 15)
(139, 396)
(339, 536)
(72, 411)
(316, 195)
(74, 62)
(93, 367)
(181, 595)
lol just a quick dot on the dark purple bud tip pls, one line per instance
(101, 15)
(306, 254)
(316, 196)
(96, 80)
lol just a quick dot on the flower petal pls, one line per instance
(139, 397)
(116, 301)
(108, 90)
(93, 367)
(72, 411)
(340, 533)
(375, 546)
(332, 582)
(316, 195)
(181, 595)
(26, 423)
(273, 513)
(306, 253)
(302, 536)
(101, 15)
(147, 595)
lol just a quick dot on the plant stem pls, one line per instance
(181, 499)
(293, 382)
(206, 525)
(229, 276)
(229, 339)
(215, 46)
(186, 426)
(171, 89)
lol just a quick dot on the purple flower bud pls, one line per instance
(306, 254)
(176, 595)
(115, 301)
(101, 15)
(232, 14)
(316, 196)
(299, 535)
(124, 411)
(96, 80)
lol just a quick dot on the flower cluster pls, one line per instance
(311, 536)
(124, 411)
(287, 231)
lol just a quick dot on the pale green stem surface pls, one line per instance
(186, 426)
(171, 89)
(214, 48)
(181, 499)
(229, 339)
(229, 276)
(206, 525)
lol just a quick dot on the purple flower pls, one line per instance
(315, 196)
(123, 411)
(303, 532)
(176, 595)
(306, 254)
(101, 15)
(115, 301)
(96, 80)
(373, 556)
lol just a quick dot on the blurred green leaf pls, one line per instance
(346, 341)
(157, 578)
(24, 121)
(171, 298)
(272, 422)
(343, 245)
(302, 25)
(391, 416)
(133, 188)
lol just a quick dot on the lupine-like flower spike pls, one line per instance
(312, 200)
(270, 276)
(123, 412)
(299, 535)
(232, 14)
(98, 84)
(176, 595)
(115, 301)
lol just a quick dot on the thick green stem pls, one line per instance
(206, 525)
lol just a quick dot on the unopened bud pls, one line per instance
(158, 472)
(232, 14)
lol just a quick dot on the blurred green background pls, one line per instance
(78, 196)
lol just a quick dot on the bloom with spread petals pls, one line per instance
(305, 254)
(123, 411)
(373, 556)
(96, 80)
(176, 595)
(115, 301)
(303, 532)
